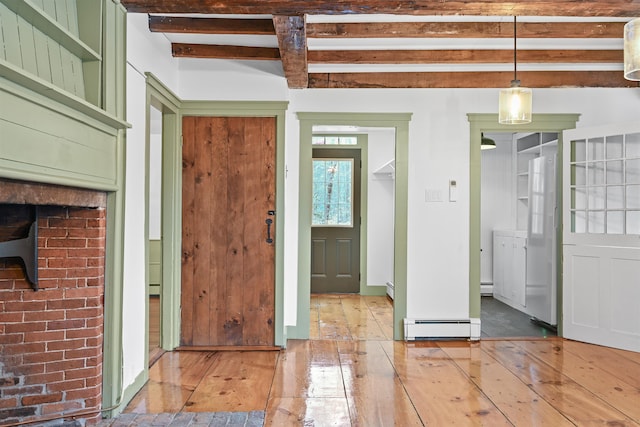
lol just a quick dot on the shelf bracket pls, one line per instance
(27, 250)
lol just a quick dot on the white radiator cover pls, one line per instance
(433, 329)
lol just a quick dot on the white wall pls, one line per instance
(380, 205)
(497, 198)
(438, 232)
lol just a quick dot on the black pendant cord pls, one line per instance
(515, 49)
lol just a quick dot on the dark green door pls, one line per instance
(335, 233)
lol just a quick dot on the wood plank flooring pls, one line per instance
(353, 374)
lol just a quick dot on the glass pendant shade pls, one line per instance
(515, 104)
(632, 50)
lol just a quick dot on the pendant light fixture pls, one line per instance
(486, 143)
(632, 50)
(514, 106)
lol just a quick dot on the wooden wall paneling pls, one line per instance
(219, 235)
(27, 46)
(188, 208)
(204, 190)
(234, 322)
(42, 55)
(9, 25)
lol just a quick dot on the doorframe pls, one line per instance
(169, 104)
(485, 123)
(277, 110)
(173, 108)
(399, 121)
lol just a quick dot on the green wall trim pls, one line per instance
(130, 391)
(480, 123)
(162, 98)
(399, 121)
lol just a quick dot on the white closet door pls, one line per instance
(601, 235)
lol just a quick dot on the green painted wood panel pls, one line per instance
(43, 38)
(44, 141)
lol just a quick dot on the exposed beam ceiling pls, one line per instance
(611, 8)
(422, 44)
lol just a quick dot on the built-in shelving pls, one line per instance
(528, 147)
(49, 27)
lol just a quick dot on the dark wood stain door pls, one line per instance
(228, 266)
(335, 251)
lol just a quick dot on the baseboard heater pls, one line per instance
(415, 329)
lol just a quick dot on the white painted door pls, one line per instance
(601, 235)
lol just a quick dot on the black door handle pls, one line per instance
(269, 221)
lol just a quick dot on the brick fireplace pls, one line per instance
(51, 339)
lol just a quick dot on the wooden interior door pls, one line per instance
(228, 252)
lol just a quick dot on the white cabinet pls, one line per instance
(509, 267)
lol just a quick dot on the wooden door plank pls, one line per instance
(439, 390)
(619, 394)
(234, 322)
(267, 301)
(519, 403)
(258, 261)
(188, 216)
(172, 379)
(375, 394)
(219, 233)
(235, 381)
(577, 403)
(203, 188)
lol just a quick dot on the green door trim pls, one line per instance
(399, 121)
(480, 123)
(174, 109)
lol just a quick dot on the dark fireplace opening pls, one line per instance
(51, 339)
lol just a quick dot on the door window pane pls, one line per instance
(615, 222)
(632, 143)
(596, 149)
(579, 174)
(595, 173)
(614, 147)
(614, 172)
(633, 171)
(633, 196)
(332, 192)
(615, 197)
(596, 222)
(633, 222)
(579, 150)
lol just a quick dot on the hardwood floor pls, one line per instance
(352, 374)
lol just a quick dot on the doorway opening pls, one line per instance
(541, 136)
(154, 222)
(395, 125)
(518, 235)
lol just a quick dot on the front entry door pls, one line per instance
(228, 256)
(335, 234)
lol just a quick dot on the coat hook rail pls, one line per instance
(27, 250)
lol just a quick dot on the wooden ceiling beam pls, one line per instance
(292, 41)
(466, 30)
(179, 24)
(462, 56)
(610, 8)
(532, 79)
(190, 50)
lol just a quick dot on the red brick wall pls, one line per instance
(51, 340)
